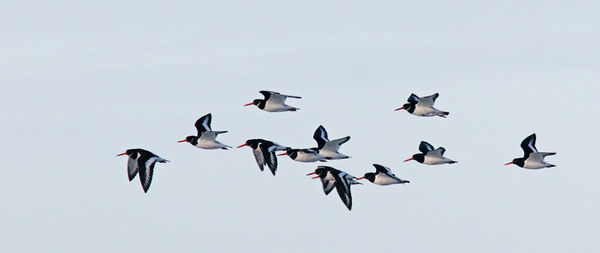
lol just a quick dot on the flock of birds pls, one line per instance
(142, 161)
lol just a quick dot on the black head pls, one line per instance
(370, 176)
(253, 143)
(517, 161)
(417, 157)
(258, 102)
(133, 153)
(191, 139)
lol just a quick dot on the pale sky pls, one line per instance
(85, 81)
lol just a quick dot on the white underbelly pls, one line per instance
(275, 107)
(433, 160)
(307, 158)
(425, 111)
(384, 180)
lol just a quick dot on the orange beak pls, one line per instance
(360, 178)
(282, 154)
(508, 163)
(122, 154)
(242, 145)
(251, 103)
(399, 108)
(409, 159)
(184, 140)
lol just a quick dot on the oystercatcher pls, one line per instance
(430, 156)
(142, 161)
(273, 102)
(423, 106)
(306, 155)
(382, 176)
(264, 153)
(341, 180)
(206, 138)
(329, 149)
(532, 159)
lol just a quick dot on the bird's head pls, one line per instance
(190, 139)
(369, 176)
(254, 102)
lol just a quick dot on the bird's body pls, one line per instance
(307, 155)
(206, 137)
(264, 153)
(430, 156)
(532, 159)
(329, 149)
(383, 176)
(142, 161)
(423, 106)
(333, 178)
(273, 102)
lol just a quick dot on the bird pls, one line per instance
(382, 176)
(273, 102)
(142, 161)
(329, 149)
(331, 177)
(306, 155)
(206, 138)
(532, 159)
(423, 106)
(430, 156)
(264, 153)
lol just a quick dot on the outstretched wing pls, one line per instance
(343, 188)
(321, 137)
(267, 94)
(258, 156)
(429, 100)
(132, 168)
(413, 98)
(203, 124)
(146, 169)
(439, 152)
(270, 158)
(335, 144)
(328, 185)
(528, 145)
(425, 147)
(382, 169)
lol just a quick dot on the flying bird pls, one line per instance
(273, 102)
(532, 159)
(329, 149)
(341, 180)
(264, 153)
(206, 138)
(382, 176)
(423, 106)
(142, 161)
(306, 155)
(430, 156)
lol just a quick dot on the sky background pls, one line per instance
(84, 81)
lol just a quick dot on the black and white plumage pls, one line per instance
(423, 106)
(331, 177)
(306, 155)
(430, 156)
(532, 159)
(264, 153)
(329, 149)
(206, 137)
(273, 102)
(142, 161)
(382, 176)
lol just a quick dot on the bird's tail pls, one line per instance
(544, 154)
(220, 132)
(443, 114)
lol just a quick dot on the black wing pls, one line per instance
(203, 124)
(327, 186)
(425, 147)
(413, 98)
(343, 188)
(381, 169)
(146, 169)
(528, 145)
(321, 137)
(269, 158)
(132, 168)
(267, 94)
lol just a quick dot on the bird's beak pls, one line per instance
(312, 173)
(184, 140)
(359, 178)
(242, 145)
(122, 154)
(508, 163)
(251, 103)
(412, 158)
(399, 108)
(282, 154)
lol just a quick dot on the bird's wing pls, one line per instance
(267, 94)
(327, 185)
(439, 152)
(269, 158)
(321, 136)
(429, 100)
(260, 160)
(342, 185)
(132, 168)
(146, 169)
(203, 124)
(425, 147)
(208, 135)
(335, 144)
(544, 154)
(382, 169)
(413, 98)
(528, 145)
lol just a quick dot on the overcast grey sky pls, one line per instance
(82, 82)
